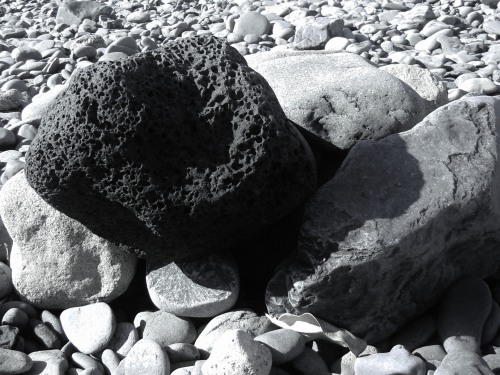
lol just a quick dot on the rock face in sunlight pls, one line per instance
(402, 219)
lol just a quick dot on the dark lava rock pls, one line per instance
(174, 151)
(403, 218)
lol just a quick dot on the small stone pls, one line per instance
(5, 280)
(48, 362)
(462, 314)
(139, 17)
(237, 353)
(124, 339)
(201, 286)
(252, 23)
(337, 44)
(8, 336)
(89, 328)
(483, 86)
(26, 307)
(165, 328)
(310, 362)
(14, 362)
(345, 364)
(85, 51)
(86, 362)
(45, 335)
(493, 362)
(145, 357)
(25, 54)
(245, 320)
(110, 361)
(54, 323)
(40, 104)
(284, 344)
(398, 361)
(492, 27)
(182, 352)
(10, 99)
(7, 139)
(15, 317)
(463, 362)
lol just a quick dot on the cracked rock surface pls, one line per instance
(402, 219)
(341, 97)
(128, 161)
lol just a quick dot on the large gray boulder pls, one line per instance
(403, 218)
(341, 97)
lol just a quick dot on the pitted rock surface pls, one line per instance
(127, 160)
(341, 97)
(403, 218)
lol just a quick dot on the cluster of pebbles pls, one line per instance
(455, 40)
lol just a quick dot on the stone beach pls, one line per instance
(173, 170)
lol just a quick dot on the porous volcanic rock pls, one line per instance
(403, 218)
(172, 151)
(341, 97)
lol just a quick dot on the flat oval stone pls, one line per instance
(165, 328)
(145, 357)
(89, 328)
(285, 344)
(202, 286)
(14, 362)
(48, 362)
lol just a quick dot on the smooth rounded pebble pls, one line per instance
(462, 314)
(110, 361)
(345, 364)
(483, 86)
(252, 23)
(40, 104)
(89, 328)
(145, 357)
(14, 362)
(245, 320)
(15, 317)
(398, 361)
(463, 363)
(165, 328)
(285, 344)
(236, 353)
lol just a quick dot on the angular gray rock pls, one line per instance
(403, 218)
(157, 178)
(201, 286)
(56, 262)
(74, 12)
(341, 97)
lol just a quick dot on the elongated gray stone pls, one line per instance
(402, 219)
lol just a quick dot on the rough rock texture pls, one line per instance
(56, 262)
(129, 162)
(402, 219)
(422, 81)
(74, 12)
(339, 96)
(202, 286)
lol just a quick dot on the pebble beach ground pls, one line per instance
(455, 40)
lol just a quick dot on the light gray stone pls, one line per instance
(340, 97)
(145, 357)
(57, 262)
(403, 218)
(201, 287)
(236, 353)
(398, 361)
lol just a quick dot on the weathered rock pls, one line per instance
(339, 96)
(402, 220)
(74, 12)
(422, 81)
(202, 286)
(398, 361)
(56, 262)
(161, 179)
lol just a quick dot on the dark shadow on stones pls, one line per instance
(328, 157)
